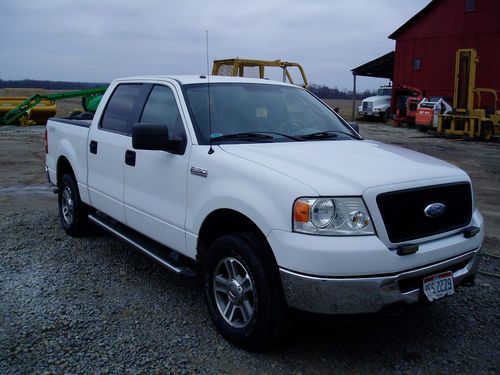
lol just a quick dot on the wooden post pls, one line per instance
(353, 114)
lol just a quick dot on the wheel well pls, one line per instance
(225, 221)
(63, 167)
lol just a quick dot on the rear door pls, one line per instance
(106, 143)
(155, 182)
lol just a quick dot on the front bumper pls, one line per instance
(369, 294)
(370, 113)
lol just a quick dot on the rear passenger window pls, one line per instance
(118, 112)
(161, 108)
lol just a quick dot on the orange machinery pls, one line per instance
(406, 104)
(428, 111)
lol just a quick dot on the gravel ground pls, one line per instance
(94, 305)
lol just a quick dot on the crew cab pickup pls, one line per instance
(275, 200)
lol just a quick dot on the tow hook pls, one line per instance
(407, 249)
(471, 231)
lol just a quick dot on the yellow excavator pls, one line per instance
(468, 119)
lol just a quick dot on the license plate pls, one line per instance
(438, 286)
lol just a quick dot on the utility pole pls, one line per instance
(353, 114)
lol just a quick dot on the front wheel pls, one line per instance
(72, 211)
(243, 291)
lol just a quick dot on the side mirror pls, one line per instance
(146, 136)
(355, 126)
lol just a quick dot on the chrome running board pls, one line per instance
(168, 258)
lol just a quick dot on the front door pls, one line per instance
(155, 182)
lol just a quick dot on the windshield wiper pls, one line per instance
(243, 137)
(280, 134)
(325, 135)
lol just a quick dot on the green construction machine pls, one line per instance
(39, 107)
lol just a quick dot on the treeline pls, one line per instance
(322, 91)
(49, 85)
(325, 92)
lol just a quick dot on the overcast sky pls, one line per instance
(101, 40)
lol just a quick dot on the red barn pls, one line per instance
(426, 45)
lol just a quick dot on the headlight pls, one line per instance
(344, 216)
(322, 213)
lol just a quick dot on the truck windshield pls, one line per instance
(249, 112)
(384, 92)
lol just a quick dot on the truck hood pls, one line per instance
(344, 167)
(384, 98)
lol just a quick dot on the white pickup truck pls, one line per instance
(269, 195)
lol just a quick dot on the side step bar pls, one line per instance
(168, 258)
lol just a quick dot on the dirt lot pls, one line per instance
(94, 305)
(344, 106)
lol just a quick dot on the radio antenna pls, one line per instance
(210, 150)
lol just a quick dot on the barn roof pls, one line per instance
(414, 19)
(381, 67)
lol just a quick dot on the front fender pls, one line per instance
(383, 107)
(263, 195)
(259, 207)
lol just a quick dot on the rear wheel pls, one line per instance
(72, 211)
(243, 291)
(487, 131)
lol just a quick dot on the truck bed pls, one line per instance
(70, 143)
(72, 121)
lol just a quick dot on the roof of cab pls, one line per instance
(192, 79)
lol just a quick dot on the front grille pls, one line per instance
(403, 210)
(367, 106)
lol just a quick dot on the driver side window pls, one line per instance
(161, 108)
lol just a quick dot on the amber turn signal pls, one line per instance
(301, 212)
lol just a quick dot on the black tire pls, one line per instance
(385, 117)
(72, 211)
(267, 319)
(487, 131)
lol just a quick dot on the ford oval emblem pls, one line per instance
(434, 210)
